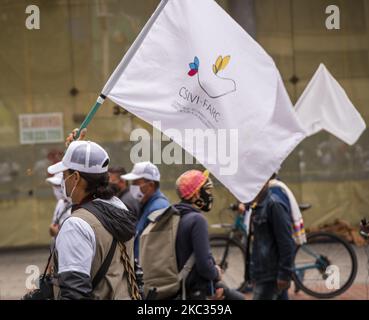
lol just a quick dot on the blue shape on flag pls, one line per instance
(197, 62)
(193, 66)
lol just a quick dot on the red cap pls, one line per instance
(190, 182)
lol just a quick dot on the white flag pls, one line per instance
(194, 68)
(325, 105)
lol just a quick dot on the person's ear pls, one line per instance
(152, 185)
(77, 176)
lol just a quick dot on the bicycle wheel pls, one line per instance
(230, 255)
(326, 266)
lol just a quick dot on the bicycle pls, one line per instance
(315, 262)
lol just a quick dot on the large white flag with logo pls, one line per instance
(194, 68)
(325, 105)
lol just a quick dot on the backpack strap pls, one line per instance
(109, 257)
(105, 265)
(183, 274)
(103, 268)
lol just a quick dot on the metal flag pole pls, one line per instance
(100, 100)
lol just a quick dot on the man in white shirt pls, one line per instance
(94, 247)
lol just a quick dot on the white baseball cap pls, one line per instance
(145, 170)
(82, 156)
(55, 179)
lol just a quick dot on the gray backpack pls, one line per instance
(157, 255)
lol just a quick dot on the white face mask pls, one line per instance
(136, 192)
(64, 190)
(58, 193)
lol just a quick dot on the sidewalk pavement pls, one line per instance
(13, 276)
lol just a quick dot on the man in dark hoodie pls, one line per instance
(93, 256)
(195, 191)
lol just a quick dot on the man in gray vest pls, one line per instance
(93, 257)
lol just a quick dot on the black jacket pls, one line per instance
(273, 248)
(131, 203)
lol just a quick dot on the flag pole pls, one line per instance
(100, 100)
(122, 66)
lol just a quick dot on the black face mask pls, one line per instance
(205, 200)
(115, 188)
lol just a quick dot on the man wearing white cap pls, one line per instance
(145, 187)
(93, 251)
(63, 206)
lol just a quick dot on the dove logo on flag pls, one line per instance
(218, 86)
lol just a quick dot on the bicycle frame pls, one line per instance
(239, 225)
(320, 262)
(318, 265)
